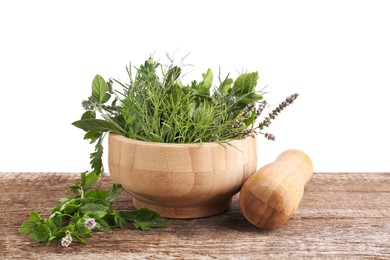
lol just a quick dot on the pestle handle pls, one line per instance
(271, 195)
(299, 160)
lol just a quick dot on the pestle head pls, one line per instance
(270, 196)
(298, 159)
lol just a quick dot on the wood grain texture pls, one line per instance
(271, 195)
(341, 216)
(181, 180)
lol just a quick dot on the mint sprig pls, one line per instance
(77, 216)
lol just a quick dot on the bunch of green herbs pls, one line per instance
(155, 106)
(76, 216)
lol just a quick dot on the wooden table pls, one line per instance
(342, 215)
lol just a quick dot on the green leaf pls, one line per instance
(250, 98)
(72, 204)
(172, 75)
(96, 194)
(83, 178)
(79, 239)
(53, 229)
(255, 97)
(118, 219)
(41, 233)
(56, 219)
(34, 216)
(99, 89)
(114, 192)
(97, 125)
(175, 92)
(57, 208)
(248, 121)
(145, 219)
(102, 225)
(106, 97)
(29, 225)
(92, 136)
(103, 202)
(76, 188)
(96, 158)
(71, 208)
(95, 210)
(205, 85)
(26, 227)
(90, 179)
(88, 115)
(225, 86)
(245, 83)
(81, 228)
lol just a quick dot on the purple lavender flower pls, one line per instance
(248, 110)
(269, 136)
(271, 116)
(260, 108)
(237, 123)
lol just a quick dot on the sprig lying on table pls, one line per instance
(75, 217)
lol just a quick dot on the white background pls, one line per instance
(336, 54)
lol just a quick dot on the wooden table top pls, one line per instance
(342, 215)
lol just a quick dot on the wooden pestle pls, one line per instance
(272, 194)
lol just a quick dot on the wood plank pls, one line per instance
(342, 215)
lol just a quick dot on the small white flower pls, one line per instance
(66, 241)
(90, 223)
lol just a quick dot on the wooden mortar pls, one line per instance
(181, 180)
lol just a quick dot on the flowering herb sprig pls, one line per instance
(67, 239)
(90, 223)
(77, 216)
(271, 116)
